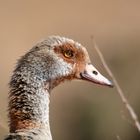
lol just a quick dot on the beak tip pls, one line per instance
(110, 84)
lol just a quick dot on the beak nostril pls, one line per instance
(95, 72)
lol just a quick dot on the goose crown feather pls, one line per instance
(46, 65)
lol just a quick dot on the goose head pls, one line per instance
(64, 59)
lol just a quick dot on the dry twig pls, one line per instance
(120, 92)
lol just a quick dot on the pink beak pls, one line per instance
(93, 75)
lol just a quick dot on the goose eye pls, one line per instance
(68, 53)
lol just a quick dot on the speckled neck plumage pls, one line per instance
(29, 99)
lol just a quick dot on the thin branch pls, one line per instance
(120, 92)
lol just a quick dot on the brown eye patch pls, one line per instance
(67, 52)
(72, 54)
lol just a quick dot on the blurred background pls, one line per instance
(78, 110)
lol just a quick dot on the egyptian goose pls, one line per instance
(46, 65)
